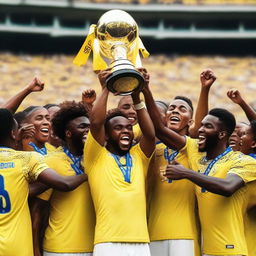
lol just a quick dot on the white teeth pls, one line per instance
(131, 118)
(174, 118)
(201, 137)
(44, 130)
(125, 138)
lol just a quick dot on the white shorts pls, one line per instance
(222, 255)
(177, 247)
(67, 254)
(121, 249)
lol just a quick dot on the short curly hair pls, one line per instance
(69, 110)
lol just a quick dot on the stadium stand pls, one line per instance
(170, 76)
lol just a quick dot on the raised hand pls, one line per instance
(35, 85)
(26, 131)
(207, 78)
(235, 96)
(103, 75)
(88, 96)
(146, 76)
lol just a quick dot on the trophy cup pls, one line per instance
(116, 44)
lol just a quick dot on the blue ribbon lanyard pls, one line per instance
(42, 151)
(125, 169)
(213, 162)
(170, 157)
(253, 155)
(76, 165)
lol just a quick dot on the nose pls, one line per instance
(201, 129)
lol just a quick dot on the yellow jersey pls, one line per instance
(172, 212)
(17, 169)
(72, 217)
(120, 206)
(250, 219)
(222, 217)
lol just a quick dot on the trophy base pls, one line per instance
(125, 81)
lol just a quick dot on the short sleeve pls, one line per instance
(245, 167)
(34, 165)
(92, 151)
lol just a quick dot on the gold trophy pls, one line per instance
(116, 44)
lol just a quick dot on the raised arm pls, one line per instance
(88, 98)
(207, 79)
(13, 103)
(63, 183)
(236, 97)
(225, 187)
(166, 135)
(147, 141)
(98, 112)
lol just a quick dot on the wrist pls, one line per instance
(139, 105)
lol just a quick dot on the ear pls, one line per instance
(222, 135)
(253, 146)
(13, 134)
(68, 133)
(190, 122)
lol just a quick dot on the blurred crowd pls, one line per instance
(170, 76)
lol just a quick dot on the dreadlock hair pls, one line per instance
(69, 110)
(227, 119)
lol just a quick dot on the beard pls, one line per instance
(114, 144)
(210, 143)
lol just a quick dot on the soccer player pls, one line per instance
(221, 185)
(17, 168)
(72, 219)
(117, 172)
(172, 218)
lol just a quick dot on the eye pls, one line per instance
(126, 106)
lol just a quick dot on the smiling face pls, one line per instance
(234, 140)
(126, 106)
(119, 134)
(247, 140)
(40, 118)
(178, 116)
(209, 133)
(77, 131)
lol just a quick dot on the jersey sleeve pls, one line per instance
(245, 167)
(33, 166)
(92, 150)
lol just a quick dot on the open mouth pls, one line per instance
(44, 131)
(125, 140)
(174, 120)
(201, 140)
(132, 119)
(232, 143)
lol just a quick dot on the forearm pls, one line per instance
(211, 184)
(144, 120)
(201, 111)
(63, 183)
(13, 103)
(37, 188)
(98, 111)
(167, 136)
(248, 110)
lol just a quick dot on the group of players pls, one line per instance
(142, 179)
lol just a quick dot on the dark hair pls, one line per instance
(7, 124)
(69, 110)
(19, 117)
(187, 100)
(111, 114)
(47, 106)
(27, 111)
(162, 104)
(227, 118)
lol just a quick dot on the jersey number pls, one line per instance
(5, 203)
